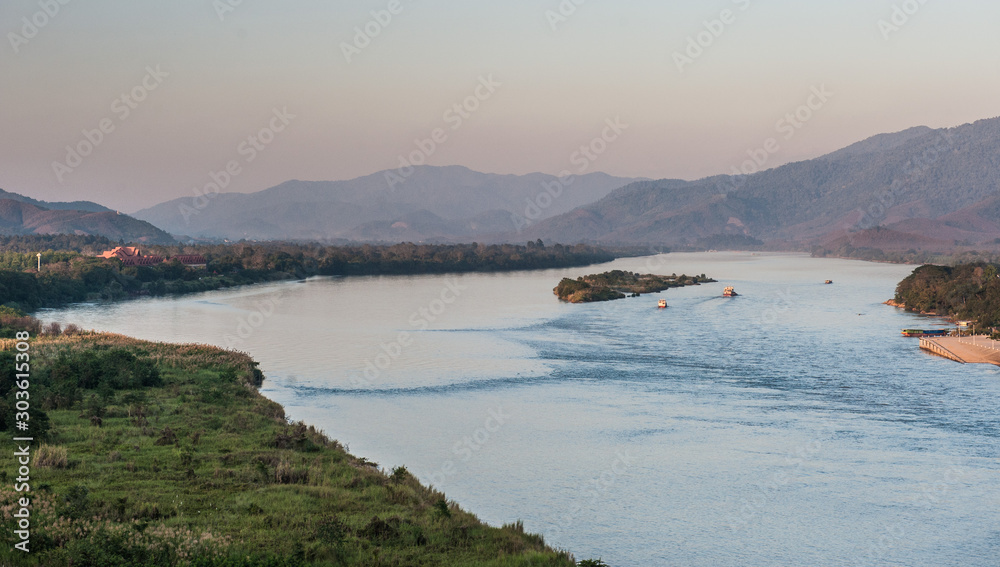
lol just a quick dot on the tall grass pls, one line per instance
(204, 471)
(49, 456)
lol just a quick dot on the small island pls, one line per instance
(618, 284)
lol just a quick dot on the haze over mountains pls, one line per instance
(447, 204)
(920, 188)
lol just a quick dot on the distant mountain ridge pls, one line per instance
(921, 188)
(20, 215)
(449, 204)
(87, 206)
(931, 187)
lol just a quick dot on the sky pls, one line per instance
(134, 103)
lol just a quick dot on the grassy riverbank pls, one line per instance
(162, 454)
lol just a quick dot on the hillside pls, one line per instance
(447, 204)
(88, 206)
(152, 454)
(19, 217)
(929, 186)
(966, 291)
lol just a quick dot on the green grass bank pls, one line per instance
(158, 454)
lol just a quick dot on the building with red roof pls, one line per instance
(132, 256)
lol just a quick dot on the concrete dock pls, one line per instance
(973, 350)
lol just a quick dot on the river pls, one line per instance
(791, 425)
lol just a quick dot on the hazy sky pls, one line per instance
(216, 74)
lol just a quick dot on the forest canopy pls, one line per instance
(70, 272)
(967, 291)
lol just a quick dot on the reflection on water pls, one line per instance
(789, 426)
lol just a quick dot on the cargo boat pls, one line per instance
(925, 333)
(729, 292)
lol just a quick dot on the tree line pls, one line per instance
(966, 291)
(72, 272)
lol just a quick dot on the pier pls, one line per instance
(974, 350)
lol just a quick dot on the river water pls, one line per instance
(792, 425)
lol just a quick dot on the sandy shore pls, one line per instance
(979, 349)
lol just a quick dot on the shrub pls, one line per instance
(76, 501)
(115, 369)
(568, 287)
(399, 474)
(95, 407)
(13, 320)
(39, 424)
(167, 437)
(442, 509)
(284, 473)
(331, 531)
(381, 530)
(53, 457)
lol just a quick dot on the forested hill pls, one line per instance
(87, 206)
(22, 217)
(429, 203)
(928, 190)
(967, 291)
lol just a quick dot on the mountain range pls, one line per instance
(921, 188)
(21, 215)
(86, 206)
(445, 204)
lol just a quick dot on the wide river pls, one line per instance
(792, 425)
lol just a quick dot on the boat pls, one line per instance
(925, 332)
(729, 292)
(828, 282)
(662, 303)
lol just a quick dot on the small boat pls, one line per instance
(729, 292)
(662, 304)
(828, 282)
(925, 333)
